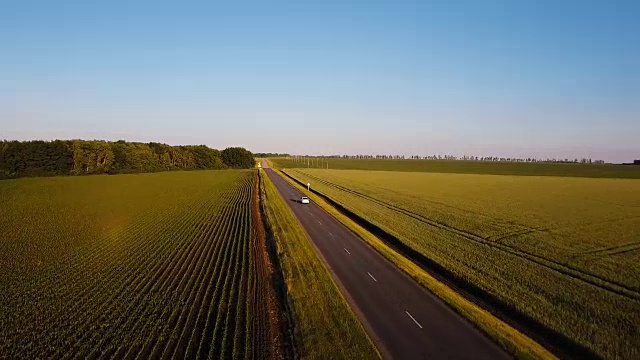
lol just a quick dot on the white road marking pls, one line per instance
(414, 320)
(319, 222)
(330, 233)
(345, 249)
(374, 279)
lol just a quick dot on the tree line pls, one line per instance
(82, 157)
(451, 157)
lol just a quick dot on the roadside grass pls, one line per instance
(468, 167)
(325, 326)
(512, 340)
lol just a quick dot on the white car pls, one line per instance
(304, 200)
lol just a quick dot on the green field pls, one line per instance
(468, 167)
(325, 326)
(561, 250)
(136, 266)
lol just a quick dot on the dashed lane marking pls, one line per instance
(414, 320)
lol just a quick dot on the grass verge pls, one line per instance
(512, 340)
(325, 326)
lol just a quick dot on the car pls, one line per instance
(304, 200)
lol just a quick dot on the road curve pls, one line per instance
(404, 319)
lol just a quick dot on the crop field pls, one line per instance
(131, 266)
(563, 251)
(468, 167)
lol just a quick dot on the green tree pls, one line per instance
(91, 157)
(35, 158)
(133, 157)
(238, 158)
(205, 157)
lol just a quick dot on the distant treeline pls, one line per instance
(264, 155)
(81, 157)
(451, 157)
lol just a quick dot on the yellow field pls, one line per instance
(563, 252)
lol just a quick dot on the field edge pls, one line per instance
(271, 322)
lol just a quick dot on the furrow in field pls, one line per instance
(68, 282)
(173, 277)
(154, 288)
(189, 326)
(234, 298)
(85, 305)
(141, 274)
(251, 297)
(189, 291)
(202, 336)
(184, 290)
(213, 305)
(217, 346)
(241, 336)
(122, 263)
(197, 332)
(100, 254)
(612, 250)
(197, 290)
(504, 236)
(142, 303)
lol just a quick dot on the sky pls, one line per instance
(486, 78)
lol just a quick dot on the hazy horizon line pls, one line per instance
(423, 155)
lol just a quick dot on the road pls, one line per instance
(403, 319)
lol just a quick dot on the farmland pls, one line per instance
(136, 266)
(562, 251)
(468, 167)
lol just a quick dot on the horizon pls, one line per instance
(437, 153)
(445, 156)
(532, 79)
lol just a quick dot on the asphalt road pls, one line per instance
(404, 320)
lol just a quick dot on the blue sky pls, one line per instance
(502, 78)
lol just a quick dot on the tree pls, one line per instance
(205, 158)
(35, 158)
(81, 157)
(91, 157)
(237, 158)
